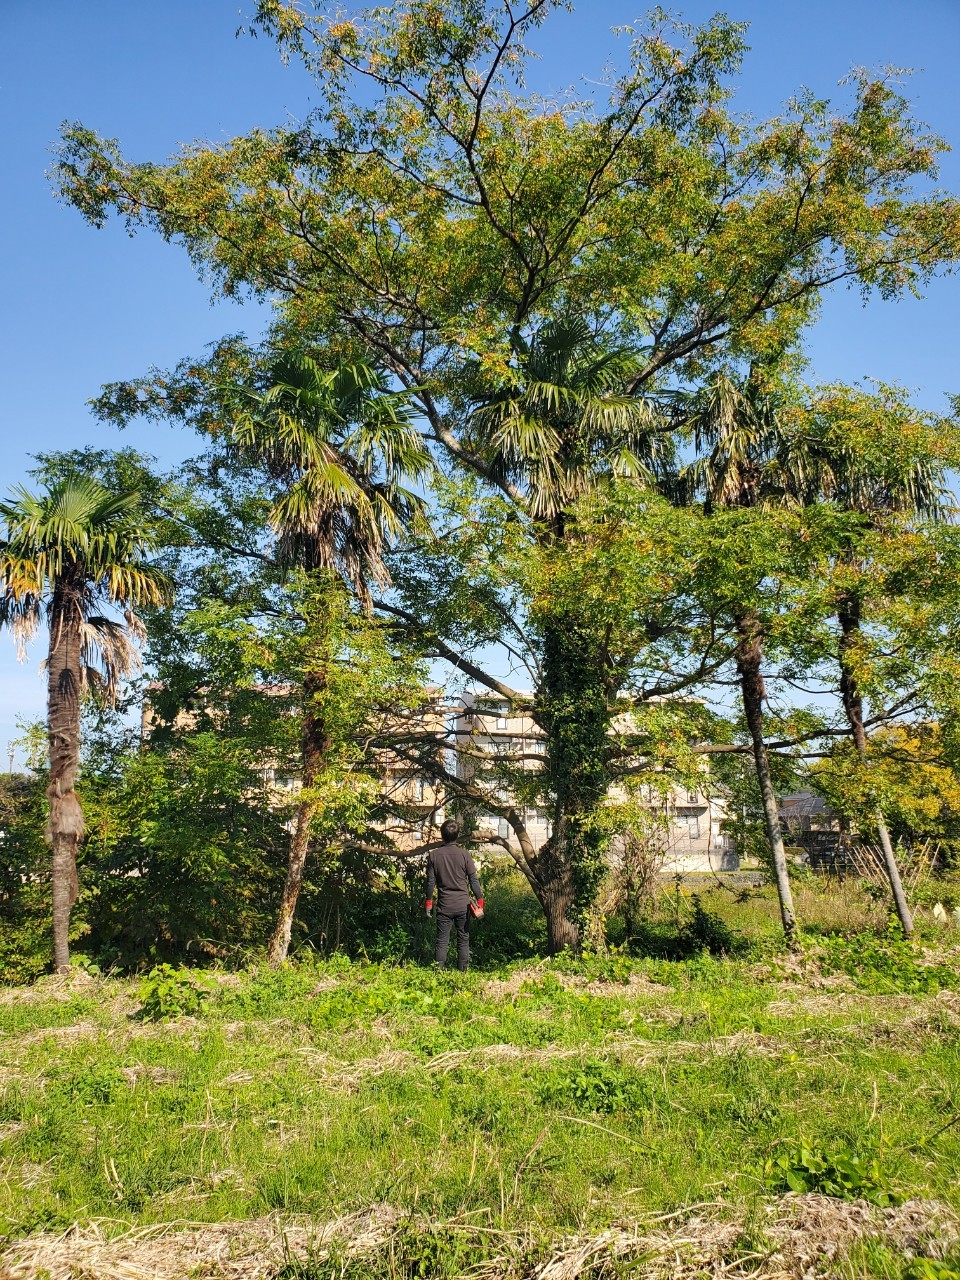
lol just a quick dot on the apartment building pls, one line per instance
(490, 734)
(482, 737)
(411, 794)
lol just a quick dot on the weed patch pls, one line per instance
(886, 963)
(167, 992)
(844, 1175)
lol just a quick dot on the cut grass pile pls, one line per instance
(495, 1124)
(801, 1236)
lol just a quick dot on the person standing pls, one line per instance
(452, 876)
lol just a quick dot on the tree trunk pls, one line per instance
(749, 656)
(573, 711)
(315, 744)
(65, 821)
(848, 615)
(555, 889)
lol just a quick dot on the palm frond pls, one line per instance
(341, 445)
(81, 544)
(564, 417)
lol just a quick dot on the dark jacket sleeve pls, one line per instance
(431, 878)
(475, 888)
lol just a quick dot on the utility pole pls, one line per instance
(11, 752)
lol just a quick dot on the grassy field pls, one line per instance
(491, 1121)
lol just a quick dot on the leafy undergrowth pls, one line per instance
(886, 963)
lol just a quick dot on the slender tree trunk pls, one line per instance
(65, 820)
(749, 657)
(315, 744)
(848, 615)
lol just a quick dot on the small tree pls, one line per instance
(876, 456)
(737, 425)
(340, 447)
(68, 554)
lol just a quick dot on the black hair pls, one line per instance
(450, 829)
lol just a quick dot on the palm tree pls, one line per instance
(744, 464)
(564, 418)
(560, 421)
(863, 467)
(66, 556)
(341, 448)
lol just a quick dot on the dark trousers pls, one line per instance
(444, 926)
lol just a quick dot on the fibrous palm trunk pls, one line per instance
(315, 745)
(65, 820)
(848, 616)
(749, 659)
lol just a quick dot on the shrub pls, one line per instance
(25, 939)
(171, 993)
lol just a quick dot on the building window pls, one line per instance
(501, 721)
(693, 826)
(692, 797)
(503, 829)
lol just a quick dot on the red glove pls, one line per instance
(429, 905)
(480, 903)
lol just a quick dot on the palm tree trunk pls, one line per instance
(749, 657)
(848, 615)
(315, 745)
(65, 820)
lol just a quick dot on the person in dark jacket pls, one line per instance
(452, 876)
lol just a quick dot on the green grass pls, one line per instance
(547, 1097)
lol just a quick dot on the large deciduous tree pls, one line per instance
(66, 556)
(560, 421)
(433, 215)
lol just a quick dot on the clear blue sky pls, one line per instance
(85, 307)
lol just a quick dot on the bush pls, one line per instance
(184, 854)
(25, 938)
(703, 932)
(171, 993)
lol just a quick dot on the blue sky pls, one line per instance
(85, 307)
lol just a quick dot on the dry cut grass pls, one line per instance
(795, 1238)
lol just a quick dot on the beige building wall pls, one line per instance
(486, 727)
(418, 798)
